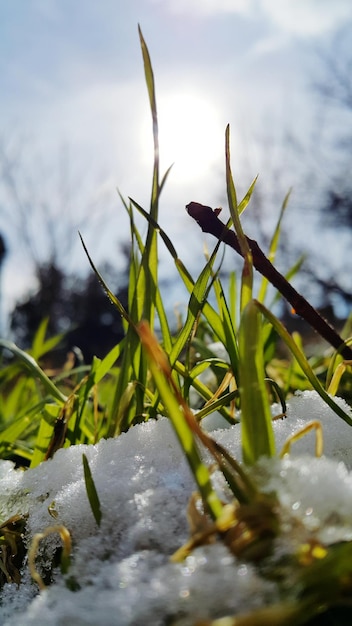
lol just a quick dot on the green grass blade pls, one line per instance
(247, 272)
(164, 178)
(164, 325)
(40, 344)
(107, 363)
(273, 247)
(161, 372)
(149, 78)
(303, 363)
(233, 298)
(133, 365)
(149, 265)
(34, 368)
(209, 312)
(217, 405)
(290, 274)
(42, 441)
(256, 422)
(198, 297)
(154, 224)
(198, 292)
(204, 391)
(21, 428)
(91, 491)
(245, 200)
(143, 289)
(14, 430)
(115, 301)
(229, 330)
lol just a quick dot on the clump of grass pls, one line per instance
(144, 377)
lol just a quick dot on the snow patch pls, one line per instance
(144, 485)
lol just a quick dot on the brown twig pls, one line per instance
(209, 222)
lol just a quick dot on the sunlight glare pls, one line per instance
(190, 135)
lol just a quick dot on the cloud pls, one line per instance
(205, 8)
(307, 17)
(300, 17)
(47, 9)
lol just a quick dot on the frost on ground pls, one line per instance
(123, 569)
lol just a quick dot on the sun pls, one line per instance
(190, 135)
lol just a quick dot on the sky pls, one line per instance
(75, 123)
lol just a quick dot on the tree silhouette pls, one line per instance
(77, 307)
(45, 202)
(334, 90)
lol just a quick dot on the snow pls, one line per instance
(123, 568)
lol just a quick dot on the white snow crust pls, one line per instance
(144, 484)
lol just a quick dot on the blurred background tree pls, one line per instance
(77, 307)
(46, 208)
(317, 165)
(332, 150)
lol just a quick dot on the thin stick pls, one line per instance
(209, 222)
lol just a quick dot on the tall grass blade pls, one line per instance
(149, 78)
(303, 363)
(143, 289)
(246, 198)
(179, 415)
(212, 317)
(273, 247)
(232, 288)
(247, 272)
(228, 326)
(256, 422)
(149, 263)
(113, 299)
(198, 297)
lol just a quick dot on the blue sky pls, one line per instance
(71, 79)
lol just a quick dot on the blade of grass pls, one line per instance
(144, 296)
(164, 325)
(107, 363)
(217, 405)
(91, 491)
(303, 363)
(294, 269)
(233, 299)
(161, 372)
(198, 297)
(149, 78)
(150, 257)
(256, 422)
(44, 436)
(247, 272)
(40, 344)
(246, 198)
(273, 247)
(113, 299)
(209, 312)
(34, 368)
(228, 326)
(205, 392)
